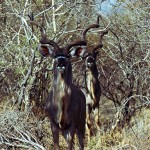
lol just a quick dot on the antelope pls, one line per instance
(92, 89)
(66, 103)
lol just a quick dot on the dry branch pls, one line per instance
(24, 83)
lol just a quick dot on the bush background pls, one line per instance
(123, 64)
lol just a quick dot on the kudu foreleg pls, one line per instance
(96, 114)
(81, 142)
(69, 136)
(55, 133)
(80, 133)
(92, 121)
(88, 122)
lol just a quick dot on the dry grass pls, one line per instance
(29, 130)
(133, 137)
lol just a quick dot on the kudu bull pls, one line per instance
(66, 103)
(92, 89)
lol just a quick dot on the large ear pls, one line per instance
(45, 50)
(78, 52)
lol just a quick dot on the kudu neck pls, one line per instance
(93, 71)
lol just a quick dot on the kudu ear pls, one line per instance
(78, 52)
(45, 50)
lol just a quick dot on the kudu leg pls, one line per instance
(55, 133)
(97, 118)
(88, 130)
(88, 122)
(92, 120)
(81, 134)
(69, 135)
